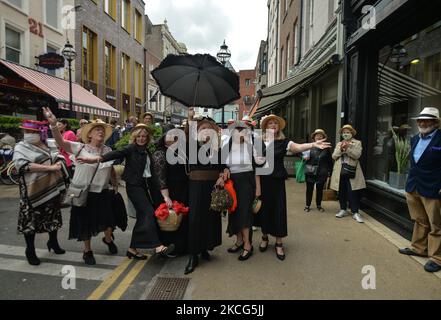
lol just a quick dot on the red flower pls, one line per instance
(162, 212)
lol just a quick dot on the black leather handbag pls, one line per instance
(348, 171)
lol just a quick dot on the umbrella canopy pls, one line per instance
(197, 80)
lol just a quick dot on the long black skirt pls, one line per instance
(97, 216)
(145, 232)
(273, 218)
(178, 191)
(205, 225)
(242, 217)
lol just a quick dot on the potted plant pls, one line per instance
(402, 152)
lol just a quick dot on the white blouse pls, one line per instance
(84, 172)
(239, 159)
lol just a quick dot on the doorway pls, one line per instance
(328, 121)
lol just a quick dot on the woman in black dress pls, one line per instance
(274, 218)
(140, 165)
(205, 171)
(177, 185)
(318, 168)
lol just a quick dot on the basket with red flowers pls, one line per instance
(169, 219)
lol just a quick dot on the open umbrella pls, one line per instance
(197, 80)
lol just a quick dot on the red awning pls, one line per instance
(83, 100)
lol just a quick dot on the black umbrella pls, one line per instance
(197, 80)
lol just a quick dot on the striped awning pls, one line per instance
(397, 87)
(83, 100)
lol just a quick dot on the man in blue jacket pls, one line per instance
(423, 190)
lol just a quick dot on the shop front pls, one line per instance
(24, 91)
(394, 72)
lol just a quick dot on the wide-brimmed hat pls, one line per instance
(350, 128)
(33, 125)
(96, 123)
(428, 113)
(280, 120)
(143, 126)
(319, 131)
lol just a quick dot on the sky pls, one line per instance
(203, 25)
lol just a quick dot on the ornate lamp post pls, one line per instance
(69, 54)
(223, 56)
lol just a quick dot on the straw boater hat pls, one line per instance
(280, 120)
(428, 114)
(350, 128)
(319, 131)
(143, 126)
(96, 123)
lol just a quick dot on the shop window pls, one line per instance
(409, 79)
(13, 45)
(110, 65)
(89, 55)
(125, 15)
(125, 74)
(52, 13)
(110, 8)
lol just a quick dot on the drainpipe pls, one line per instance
(299, 53)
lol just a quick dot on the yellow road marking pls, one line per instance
(124, 285)
(106, 284)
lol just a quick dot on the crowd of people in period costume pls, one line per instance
(151, 180)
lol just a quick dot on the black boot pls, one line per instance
(52, 244)
(30, 250)
(192, 264)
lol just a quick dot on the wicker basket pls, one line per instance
(172, 222)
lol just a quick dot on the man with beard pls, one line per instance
(423, 190)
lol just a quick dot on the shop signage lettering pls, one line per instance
(20, 85)
(51, 61)
(36, 27)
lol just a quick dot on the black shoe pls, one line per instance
(320, 209)
(279, 256)
(235, 248)
(431, 266)
(410, 252)
(263, 248)
(55, 246)
(113, 249)
(137, 256)
(32, 257)
(192, 264)
(307, 209)
(166, 252)
(248, 254)
(205, 255)
(89, 258)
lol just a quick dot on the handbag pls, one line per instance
(328, 193)
(311, 170)
(348, 171)
(221, 200)
(77, 195)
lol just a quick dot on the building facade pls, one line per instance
(160, 44)
(111, 62)
(247, 80)
(393, 68)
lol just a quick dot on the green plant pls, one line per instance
(74, 124)
(402, 152)
(10, 124)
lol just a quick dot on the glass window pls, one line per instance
(13, 45)
(17, 3)
(138, 81)
(52, 13)
(138, 26)
(50, 49)
(109, 61)
(89, 55)
(125, 74)
(409, 79)
(110, 8)
(125, 14)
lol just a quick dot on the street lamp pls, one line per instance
(223, 56)
(399, 52)
(69, 54)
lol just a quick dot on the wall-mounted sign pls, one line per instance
(51, 61)
(36, 27)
